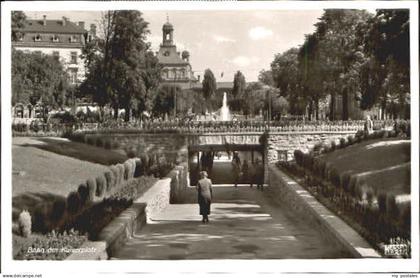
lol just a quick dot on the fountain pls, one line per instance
(224, 111)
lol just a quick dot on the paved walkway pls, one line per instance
(244, 224)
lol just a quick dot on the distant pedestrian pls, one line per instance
(205, 194)
(259, 175)
(236, 165)
(245, 172)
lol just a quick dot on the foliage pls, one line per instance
(100, 185)
(59, 245)
(209, 84)
(351, 55)
(37, 77)
(239, 84)
(18, 22)
(121, 68)
(91, 185)
(25, 223)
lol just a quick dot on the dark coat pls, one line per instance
(205, 195)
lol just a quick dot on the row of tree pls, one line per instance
(352, 56)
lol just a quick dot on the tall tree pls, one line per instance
(266, 77)
(18, 22)
(286, 75)
(209, 85)
(337, 36)
(386, 75)
(122, 69)
(37, 77)
(239, 84)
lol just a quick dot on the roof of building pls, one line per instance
(52, 26)
(168, 26)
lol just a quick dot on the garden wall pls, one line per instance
(144, 209)
(281, 143)
(306, 207)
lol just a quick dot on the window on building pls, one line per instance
(56, 38)
(73, 38)
(38, 38)
(73, 76)
(73, 57)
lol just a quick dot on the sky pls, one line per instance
(223, 41)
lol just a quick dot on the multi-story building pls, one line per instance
(176, 67)
(58, 37)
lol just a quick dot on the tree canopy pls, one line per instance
(351, 56)
(121, 68)
(37, 77)
(239, 84)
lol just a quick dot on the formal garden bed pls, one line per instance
(365, 180)
(67, 222)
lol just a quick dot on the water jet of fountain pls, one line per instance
(224, 111)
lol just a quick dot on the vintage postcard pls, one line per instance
(165, 137)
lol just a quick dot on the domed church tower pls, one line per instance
(176, 67)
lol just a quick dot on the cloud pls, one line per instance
(221, 39)
(259, 33)
(243, 61)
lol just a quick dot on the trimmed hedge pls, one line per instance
(73, 202)
(83, 193)
(58, 210)
(91, 185)
(110, 180)
(100, 185)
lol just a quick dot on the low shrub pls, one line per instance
(342, 143)
(40, 218)
(110, 180)
(83, 193)
(91, 140)
(91, 185)
(317, 148)
(334, 177)
(350, 140)
(138, 171)
(25, 223)
(108, 144)
(115, 171)
(392, 209)
(345, 180)
(100, 185)
(121, 171)
(298, 154)
(382, 202)
(71, 240)
(353, 183)
(100, 142)
(127, 169)
(115, 145)
(308, 161)
(73, 202)
(58, 210)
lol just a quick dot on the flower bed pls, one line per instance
(88, 210)
(380, 214)
(52, 246)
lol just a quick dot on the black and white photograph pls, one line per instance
(142, 137)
